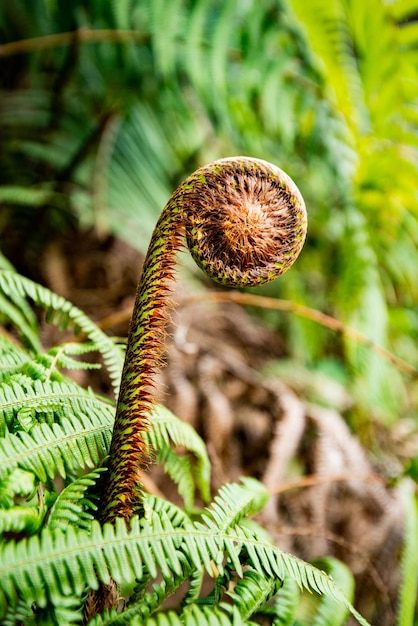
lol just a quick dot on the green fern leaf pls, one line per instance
(251, 593)
(59, 399)
(12, 357)
(72, 506)
(19, 614)
(285, 603)
(69, 560)
(323, 610)
(146, 605)
(234, 502)
(48, 450)
(195, 581)
(180, 470)
(16, 519)
(61, 357)
(16, 483)
(67, 316)
(167, 432)
(24, 196)
(14, 313)
(158, 506)
(196, 616)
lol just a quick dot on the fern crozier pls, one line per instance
(245, 223)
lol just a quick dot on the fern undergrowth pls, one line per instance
(184, 564)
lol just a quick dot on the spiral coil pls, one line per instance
(245, 220)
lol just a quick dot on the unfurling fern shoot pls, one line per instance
(245, 222)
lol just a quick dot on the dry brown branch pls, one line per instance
(317, 479)
(301, 310)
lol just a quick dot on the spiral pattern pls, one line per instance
(245, 220)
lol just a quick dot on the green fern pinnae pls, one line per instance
(12, 357)
(16, 483)
(59, 399)
(180, 470)
(142, 603)
(63, 563)
(64, 314)
(61, 356)
(236, 501)
(14, 314)
(19, 614)
(197, 616)
(48, 450)
(25, 196)
(324, 610)
(72, 505)
(76, 434)
(285, 603)
(252, 592)
(195, 583)
(153, 505)
(168, 433)
(245, 223)
(141, 608)
(17, 519)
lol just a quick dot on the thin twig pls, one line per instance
(287, 306)
(314, 315)
(82, 35)
(319, 479)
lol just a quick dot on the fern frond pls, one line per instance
(19, 614)
(12, 194)
(195, 581)
(327, 29)
(72, 559)
(13, 312)
(20, 518)
(323, 610)
(61, 356)
(167, 432)
(285, 603)
(273, 562)
(52, 401)
(16, 483)
(11, 357)
(234, 502)
(66, 316)
(251, 593)
(48, 450)
(197, 616)
(180, 470)
(158, 506)
(72, 506)
(147, 604)
(190, 616)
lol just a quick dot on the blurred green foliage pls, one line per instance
(112, 103)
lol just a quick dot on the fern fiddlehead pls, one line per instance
(245, 222)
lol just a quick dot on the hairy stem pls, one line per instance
(128, 455)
